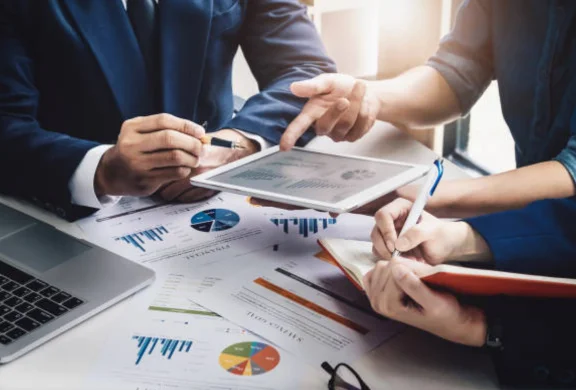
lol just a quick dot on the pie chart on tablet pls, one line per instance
(249, 358)
(214, 220)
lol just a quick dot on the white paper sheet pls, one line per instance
(178, 348)
(223, 227)
(298, 301)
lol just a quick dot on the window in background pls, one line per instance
(489, 140)
(481, 142)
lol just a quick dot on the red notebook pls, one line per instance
(355, 259)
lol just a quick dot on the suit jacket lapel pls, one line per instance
(184, 33)
(107, 30)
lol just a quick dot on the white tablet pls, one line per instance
(311, 179)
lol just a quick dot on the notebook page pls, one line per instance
(356, 256)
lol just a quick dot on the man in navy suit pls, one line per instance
(532, 340)
(100, 99)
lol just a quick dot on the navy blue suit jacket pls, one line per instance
(539, 334)
(71, 72)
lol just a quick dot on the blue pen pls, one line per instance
(432, 180)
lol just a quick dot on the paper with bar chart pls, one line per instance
(179, 349)
(223, 227)
(300, 302)
(166, 346)
(310, 224)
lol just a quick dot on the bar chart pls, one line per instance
(141, 238)
(306, 226)
(163, 346)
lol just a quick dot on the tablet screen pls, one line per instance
(310, 175)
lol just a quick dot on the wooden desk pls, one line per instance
(411, 360)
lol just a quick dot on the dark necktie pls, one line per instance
(143, 16)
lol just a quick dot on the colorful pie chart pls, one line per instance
(249, 358)
(214, 220)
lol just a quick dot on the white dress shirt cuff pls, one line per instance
(264, 144)
(81, 185)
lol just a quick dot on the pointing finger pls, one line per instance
(312, 111)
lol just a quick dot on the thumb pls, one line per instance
(331, 85)
(412, 285)
(319, 85)
(415, 236)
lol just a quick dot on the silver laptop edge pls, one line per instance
(95, 277)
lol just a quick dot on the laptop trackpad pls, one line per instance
(41, 247)
(12, 220)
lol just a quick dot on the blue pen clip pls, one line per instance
(440, 172)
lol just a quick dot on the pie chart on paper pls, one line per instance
(249, 358)
(214, 220)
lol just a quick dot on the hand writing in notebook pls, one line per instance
(389, 285)
(431, 240)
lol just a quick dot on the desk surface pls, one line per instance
(411, 360)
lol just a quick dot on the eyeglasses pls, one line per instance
(343, 377)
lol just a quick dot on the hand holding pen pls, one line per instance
(230, 146)
(220, 142)
(427, 190)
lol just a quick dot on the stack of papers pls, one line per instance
(241, 301)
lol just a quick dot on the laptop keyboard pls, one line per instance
(27, 303)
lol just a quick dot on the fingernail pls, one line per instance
(402, 244)
(390, 245)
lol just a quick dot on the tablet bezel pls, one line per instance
(415, 172)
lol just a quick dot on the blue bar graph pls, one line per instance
(306, 226)
(167, 347)
(139, 239)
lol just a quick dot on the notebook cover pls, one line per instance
(485, 284)
(491, 285)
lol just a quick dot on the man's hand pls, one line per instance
(213, 157)
(432, 240)
(396, 291)
(339, 106)
(151, 152)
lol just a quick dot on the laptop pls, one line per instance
(50, 282)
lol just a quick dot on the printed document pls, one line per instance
(298, 301)
(148, 232)
(184, 347)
